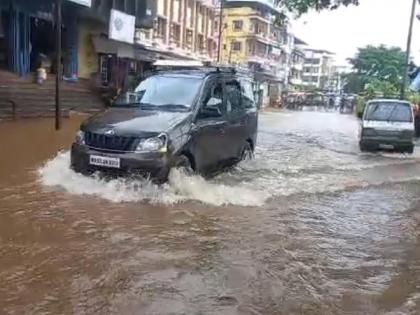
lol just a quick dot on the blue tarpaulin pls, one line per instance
(415, 84)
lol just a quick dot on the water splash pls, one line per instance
(252, 183)
(180, 187)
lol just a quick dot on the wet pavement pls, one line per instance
(311, 226)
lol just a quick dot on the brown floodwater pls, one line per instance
(311, 226)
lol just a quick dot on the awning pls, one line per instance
(109, 46)
(138, 52)
(267, 76)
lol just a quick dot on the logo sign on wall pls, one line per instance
(122, 26)
(87, 3)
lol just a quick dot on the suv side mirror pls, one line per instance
(211, 109)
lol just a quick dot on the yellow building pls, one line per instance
(250, 39)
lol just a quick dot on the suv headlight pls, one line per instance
(80, 137)
(155, 144)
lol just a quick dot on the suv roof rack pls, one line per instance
(209, 67)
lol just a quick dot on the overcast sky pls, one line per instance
(372, 22)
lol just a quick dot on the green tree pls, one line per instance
(299, 7)
(353, 83)
(379, 63)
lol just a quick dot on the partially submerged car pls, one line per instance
(387, 124)
(198, 119)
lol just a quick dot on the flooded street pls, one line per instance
(311, 226)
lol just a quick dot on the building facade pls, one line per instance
(251, 39)
(317, 68)
(184, 27)
(163, 29)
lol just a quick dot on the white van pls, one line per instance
(387, 124)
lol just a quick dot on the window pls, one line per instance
(160, 28)
(214, 90)
(248, 100)
(389, 111)
(161, 7)
(176, 16)
(164, 92)
(313, 60)
(236, 46)
(237, 25)
(233, 95)
(190, 20)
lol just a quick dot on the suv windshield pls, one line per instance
(162, 92)
(389, 111)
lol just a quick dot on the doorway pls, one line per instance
(42, 45)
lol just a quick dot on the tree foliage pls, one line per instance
(376, 70)
(354, 83)
(299, 7)
(379, 63)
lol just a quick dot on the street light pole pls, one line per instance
(407, 53)
(58, 64)
(219, 48)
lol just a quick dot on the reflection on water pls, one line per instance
(311, 226)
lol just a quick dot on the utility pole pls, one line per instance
(219, 48)
(407, 53)
(58, 64)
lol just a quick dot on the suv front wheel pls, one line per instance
(184, 163)
(247, 153)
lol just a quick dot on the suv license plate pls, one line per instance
(104, 161)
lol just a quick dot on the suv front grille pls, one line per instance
(111, 143)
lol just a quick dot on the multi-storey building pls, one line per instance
(184, 27)
(162, 28)
(296, 65)
(337, 80)
(317, 68)
(251, 39)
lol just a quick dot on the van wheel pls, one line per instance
(247, 153)
(183, 163)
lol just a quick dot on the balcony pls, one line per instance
(297, 66)
(296, 81)
(260, 17)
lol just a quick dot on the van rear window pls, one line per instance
(389, 111)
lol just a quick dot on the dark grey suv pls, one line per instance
(201, 120)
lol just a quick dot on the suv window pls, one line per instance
(233, 95)
(248, 100)
(163, 92)
(214, 90)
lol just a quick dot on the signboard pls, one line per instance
(87, 3)
(122, 26)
